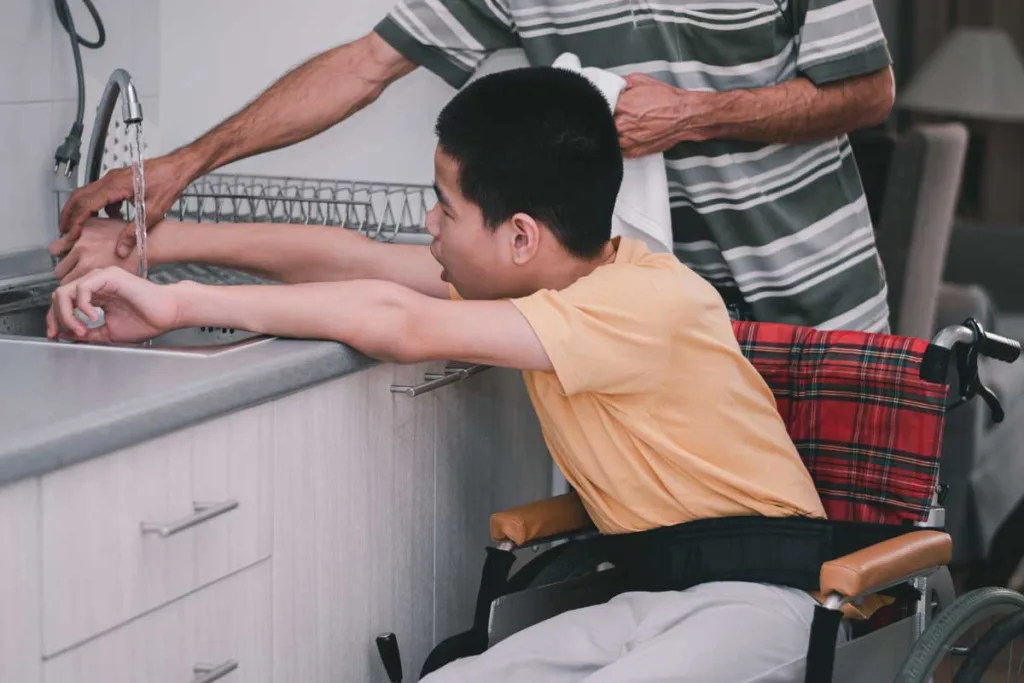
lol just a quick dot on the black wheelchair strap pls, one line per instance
(821, 649)
(780, 551)
(493, 584)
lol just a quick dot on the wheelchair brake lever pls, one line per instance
(993, 402)
(387, 646)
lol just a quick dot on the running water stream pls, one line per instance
(139, 199)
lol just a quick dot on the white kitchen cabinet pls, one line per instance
(382, 503)
(99, 566)
(226, 625)
(360, 511)
(354, 527)
(490, 456)
(20, 644)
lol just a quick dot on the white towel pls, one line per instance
(642, 208)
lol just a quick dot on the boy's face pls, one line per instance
(479, 262)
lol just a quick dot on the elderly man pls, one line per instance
(749, 100)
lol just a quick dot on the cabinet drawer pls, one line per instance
(224, 628)
(122, 534)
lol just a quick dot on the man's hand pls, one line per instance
(134, 310)
(165, 180)
(95, 249)
(648, 116)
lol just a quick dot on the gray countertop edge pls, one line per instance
(76, 440)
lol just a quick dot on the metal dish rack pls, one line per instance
(383, 211)
(387, 212)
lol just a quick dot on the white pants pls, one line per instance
(726, 632)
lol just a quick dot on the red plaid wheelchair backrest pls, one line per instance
(867, 426)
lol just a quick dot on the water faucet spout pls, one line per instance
(119, 84)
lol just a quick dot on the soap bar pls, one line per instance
(91, 324)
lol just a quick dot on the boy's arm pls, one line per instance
(285, 253)
(381, 319)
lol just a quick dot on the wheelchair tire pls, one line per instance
(991, 644)
(951, 623)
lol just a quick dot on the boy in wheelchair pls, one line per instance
(646, 402)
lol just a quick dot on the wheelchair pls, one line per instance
(865, 412)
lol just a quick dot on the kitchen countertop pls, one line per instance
(61, 404)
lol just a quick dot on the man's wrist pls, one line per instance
(195, 159)
(701, 115)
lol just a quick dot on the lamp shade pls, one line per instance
(975, 73)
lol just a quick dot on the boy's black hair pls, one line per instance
(540, 141)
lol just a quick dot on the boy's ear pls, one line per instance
(526, 235)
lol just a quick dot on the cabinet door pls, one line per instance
(353, 527)
(490, 455)
(20, 646)
(101, 568)
(224, 627)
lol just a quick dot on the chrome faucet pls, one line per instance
(119, 83)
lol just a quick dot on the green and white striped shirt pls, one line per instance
(785, 224)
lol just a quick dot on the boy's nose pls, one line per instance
(432, 221)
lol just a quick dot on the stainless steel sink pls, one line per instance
(28, 324)
(26, 283)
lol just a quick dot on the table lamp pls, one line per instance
(977, 75)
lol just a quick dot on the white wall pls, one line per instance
(37, 98)
(211, 67)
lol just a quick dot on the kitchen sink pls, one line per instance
(26, 283)
(28, 324)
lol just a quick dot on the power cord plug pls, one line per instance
(69, 154)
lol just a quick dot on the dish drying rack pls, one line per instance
(387, 212)
(383, 211)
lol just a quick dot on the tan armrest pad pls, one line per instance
(542, 519)
(877, 566)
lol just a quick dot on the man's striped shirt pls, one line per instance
(786, 225)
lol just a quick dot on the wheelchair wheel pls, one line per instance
(961, 632)
(1000, 637)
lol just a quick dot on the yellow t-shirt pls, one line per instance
(652, 412)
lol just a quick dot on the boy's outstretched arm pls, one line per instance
(285, 253)
(381, 319)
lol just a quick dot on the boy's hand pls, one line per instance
(134, 309)
(94, 249)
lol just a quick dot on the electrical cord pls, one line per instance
(70, 151)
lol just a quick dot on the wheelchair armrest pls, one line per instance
(541, 519)
(886, 564)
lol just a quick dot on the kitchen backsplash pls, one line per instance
(38, 98)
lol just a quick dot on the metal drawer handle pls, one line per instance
(208, 673)
(436, 380)
(203, 513)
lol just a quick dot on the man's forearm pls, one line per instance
(311, 98)
(372, 317)
(795, 111)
